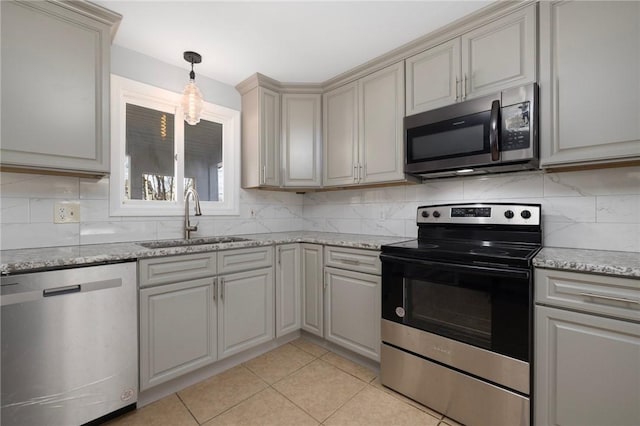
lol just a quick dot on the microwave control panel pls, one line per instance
(516, 133)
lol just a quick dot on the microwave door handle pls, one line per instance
(494, 131)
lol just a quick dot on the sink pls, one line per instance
(191, 242)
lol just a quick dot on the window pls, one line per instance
(156, 156)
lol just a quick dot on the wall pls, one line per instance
(596, 209)
(27, 200)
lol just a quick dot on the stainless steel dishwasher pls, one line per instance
(69, 345)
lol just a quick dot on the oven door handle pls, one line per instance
(493, 270)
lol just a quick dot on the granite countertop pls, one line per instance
(38, 259)
(614, 263)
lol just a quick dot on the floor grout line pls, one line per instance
(188, 409)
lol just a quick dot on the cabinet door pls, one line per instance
(301, 149)
(55, 87)
(287, 289)
(500, 54)
(269, 128)
(352, 311)
(177, 330)
(312, 289)
(340, 108)
(589, 81)
(381, 114)
(587, 369)
(433, 77)
(245, 311)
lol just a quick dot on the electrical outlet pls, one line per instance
(66, 212)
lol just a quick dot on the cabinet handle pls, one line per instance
(215, 288)
(363, 171)
(351, 261)
(616, 299)
(457, 82)
(222, 289)
(264, 174)
(464, 87)
(279, 256)
(324, 282)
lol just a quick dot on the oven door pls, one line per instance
(482, 306)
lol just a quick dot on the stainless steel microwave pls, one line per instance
(495, 133)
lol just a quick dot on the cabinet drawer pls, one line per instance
(367, 261)
(599, 294)
(176, 268)
(244, 259)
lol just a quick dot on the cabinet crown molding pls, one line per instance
(262, 80)
(93, 11)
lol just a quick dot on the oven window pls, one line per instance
(460, 313)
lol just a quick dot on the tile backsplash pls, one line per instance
(594, 209)
(27, 201)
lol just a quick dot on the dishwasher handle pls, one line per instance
(60, 291)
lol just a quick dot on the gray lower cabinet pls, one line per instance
(587, 364)
(199, 308)
(288, 315)
(352, 311)
(55, 85)
(177, 330)
(245, 310)
(311, 266)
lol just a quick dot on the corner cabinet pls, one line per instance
(492, 57)
(280, 134)
(301, 140)
(589, 82)
(260, 138)
(587, 349)
(363, 141)
(55, 86)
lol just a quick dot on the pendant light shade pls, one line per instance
(192, 100)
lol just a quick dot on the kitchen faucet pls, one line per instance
(188, 228)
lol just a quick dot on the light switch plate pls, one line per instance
(66, 212)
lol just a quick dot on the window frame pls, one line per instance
(123, 91)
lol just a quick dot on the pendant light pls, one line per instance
(192, 97)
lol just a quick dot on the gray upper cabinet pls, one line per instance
(260, 138)
(340, 133)
(433, 77)
(363, 129)
(55, 86)
(301, 140)
(381, 111)
(589, 82)
(495, 56)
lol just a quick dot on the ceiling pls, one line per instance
(292, 41)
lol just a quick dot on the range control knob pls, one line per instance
(436, 214)
(425, 213)
(509, 214)
(526, 214)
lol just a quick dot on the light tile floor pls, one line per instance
(299, 383)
